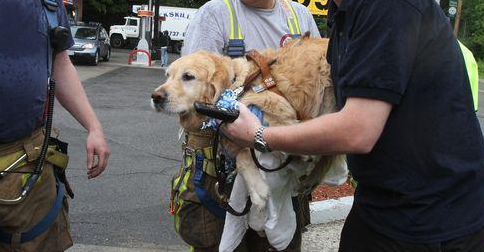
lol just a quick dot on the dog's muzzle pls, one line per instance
(158, 99)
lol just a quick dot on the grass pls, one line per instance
(480, 64)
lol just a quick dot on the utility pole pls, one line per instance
(457, 17)
(157, 21)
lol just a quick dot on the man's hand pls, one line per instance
(96, 146)
(243, 129)
(72, 96)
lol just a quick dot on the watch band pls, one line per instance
(259, 143)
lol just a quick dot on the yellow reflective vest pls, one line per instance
(473, 73)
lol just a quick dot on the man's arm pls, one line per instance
(71, 95)
(355, 129)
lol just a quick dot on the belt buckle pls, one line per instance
(187, 151)
(259, 88)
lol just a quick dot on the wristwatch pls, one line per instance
(259, 143)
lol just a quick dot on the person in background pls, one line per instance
(262, 24)
(164, 42)
(406, 120)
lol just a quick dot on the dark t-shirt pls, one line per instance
(423, 181)
(23, 66)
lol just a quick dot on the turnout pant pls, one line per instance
(18, 218)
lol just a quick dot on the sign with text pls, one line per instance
(316, 7)
(452, 8)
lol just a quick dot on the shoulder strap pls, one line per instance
(236, 45)
(235, 32)
(292, 20)
(50, 10)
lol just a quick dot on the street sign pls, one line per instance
(452, 8)
(316, 7)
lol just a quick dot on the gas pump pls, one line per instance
(143, 55)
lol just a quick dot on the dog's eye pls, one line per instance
(187, 77)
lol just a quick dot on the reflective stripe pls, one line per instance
(472, 72)
(53, 156)
(235, 32)
(178, 199)
(292, 20)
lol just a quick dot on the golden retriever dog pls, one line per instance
(301, 73)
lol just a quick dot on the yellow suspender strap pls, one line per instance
(292, 20)
(235, 32)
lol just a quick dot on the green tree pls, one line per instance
(183, 3)
(472, 26)
(107, 6)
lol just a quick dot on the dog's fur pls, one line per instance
(301, 73)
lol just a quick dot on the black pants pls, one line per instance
(358, 237)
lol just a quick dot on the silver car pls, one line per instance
(91, 43)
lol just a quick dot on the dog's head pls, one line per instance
(200, 76)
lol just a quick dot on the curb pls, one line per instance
(94, 248)
(154, 65)
(330, 210)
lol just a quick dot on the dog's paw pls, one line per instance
(257, 218)
(259, 195)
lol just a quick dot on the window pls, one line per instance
(84, 33)
(103, 33)
(133, 22)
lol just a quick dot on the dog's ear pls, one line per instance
(219, 77)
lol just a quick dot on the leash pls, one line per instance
(268, 83)
(221, 181)
(260, 166)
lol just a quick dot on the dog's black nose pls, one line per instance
(158, 96)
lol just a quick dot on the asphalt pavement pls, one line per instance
(128, 205)
(126, 208)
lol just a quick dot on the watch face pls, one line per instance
(260, 146)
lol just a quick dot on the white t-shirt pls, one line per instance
(262, 28)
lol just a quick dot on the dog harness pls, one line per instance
(236, 45)
(201, 161)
